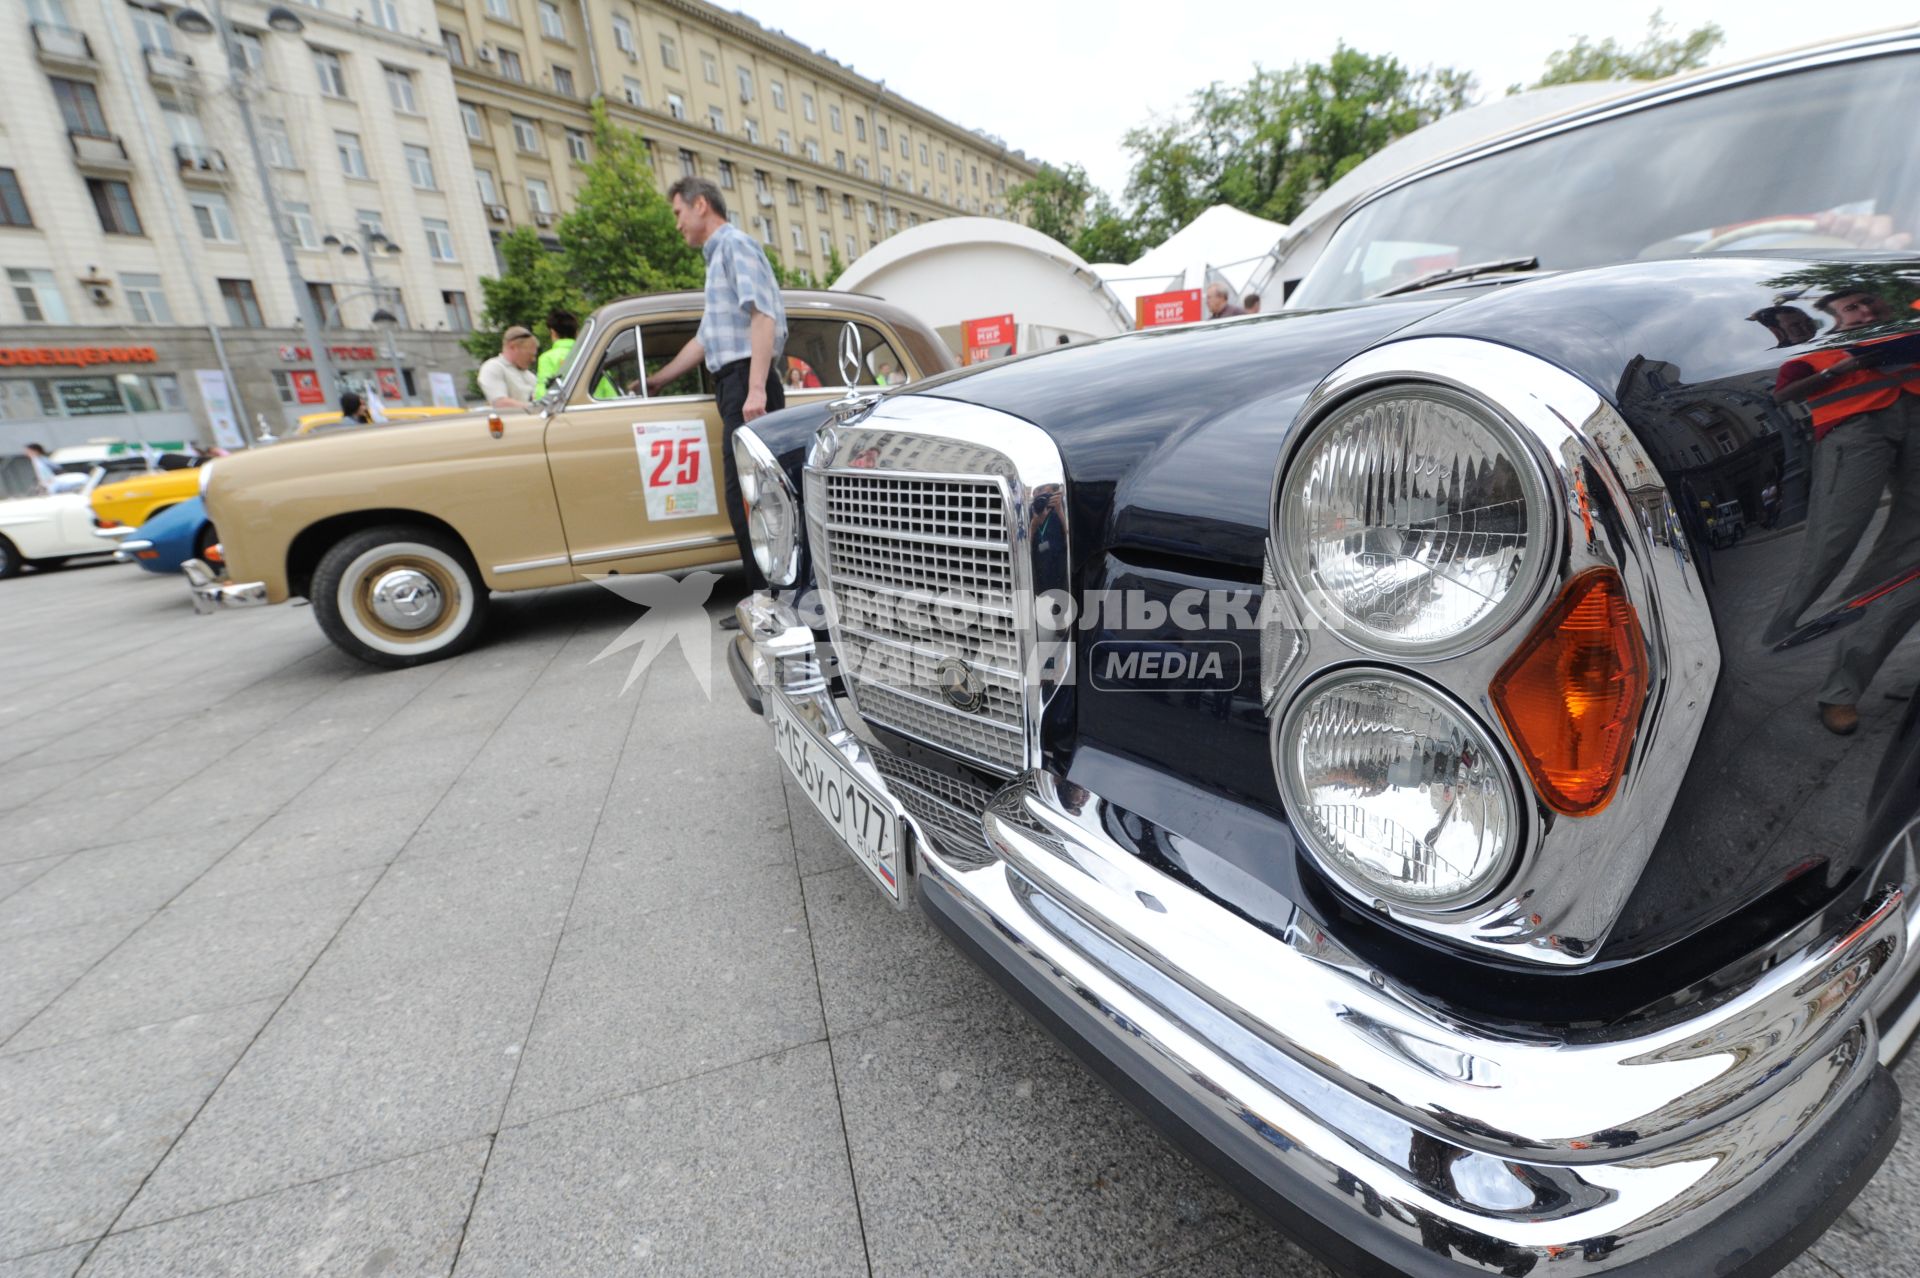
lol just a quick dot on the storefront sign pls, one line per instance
(295, 354)
(218, 398)
(389, 383)
(1157, 309)
(306, 386)
(988, 338)
(75, 356)
(87, 396)
(444, 395)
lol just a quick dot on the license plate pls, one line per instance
(861, 815)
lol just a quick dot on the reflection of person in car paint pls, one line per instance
(1789, 325)
(1864, 400)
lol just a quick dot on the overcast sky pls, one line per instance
(1064, 80)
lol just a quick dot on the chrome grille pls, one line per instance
(921, 570)
(949, 809)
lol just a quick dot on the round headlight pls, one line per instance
(1397, 791)
(773, 513)
(1412, 521)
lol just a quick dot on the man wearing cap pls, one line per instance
(507, 379)
(742, 333)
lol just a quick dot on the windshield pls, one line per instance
(1818, 160)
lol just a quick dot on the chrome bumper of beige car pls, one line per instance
(210, 594)
(1345, 1095)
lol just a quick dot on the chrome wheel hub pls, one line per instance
(406, 599)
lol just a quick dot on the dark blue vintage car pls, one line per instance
(1341, 727)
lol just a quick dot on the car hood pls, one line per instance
(15, 510)
(1170, 436)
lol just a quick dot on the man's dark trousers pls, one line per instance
(730, 388)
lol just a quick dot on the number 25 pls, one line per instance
(687, 454)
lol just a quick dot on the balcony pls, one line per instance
(63, 48)
(164, 67)
(201, 164)
(103, 152)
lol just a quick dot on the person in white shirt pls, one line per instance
(43, 471)
(507, 380)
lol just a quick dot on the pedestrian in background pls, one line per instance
(742, 334)
(564, 327)
(354, 409)
(1251, 304)
(1220, 302)
(43, 470)
(507, 380)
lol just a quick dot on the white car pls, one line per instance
(46, 530)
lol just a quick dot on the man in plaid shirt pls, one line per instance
(741, 336)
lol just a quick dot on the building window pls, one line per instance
(812, 149)
(459, 318)
(893, 219)
(484, 183)
(113, 201)
(439, 240)
(332, 72)
(284, 387)
(38, 295)
(833, 118)
(420, 168)
(820, 199)
(851, 252)
(870, 212)
(276, 142)
(763, 186)
(13, 204)
(905, 152)
(400, 91)
(631, 90)
(470, 119)
(840, 160)
(976, 175)
(745, 76)
(806, 108)
(456, 48)
(861, 167)
(326, 307)
(717, 119)
(552, 24)
(846, 207)
(386, 13)
(826, 246)
(300, 225)
(709, 68)
(669, 53)
(152, 26)
(510, 68)
(689, 167)
(243, 305)
(799, 237)
(253, 54)
(212, 215)
(526, 135)
(753, 131)
(793, 191)
(353, 161)
(370, 221)
(563, 82)
(623, 35)
(783, 142)
(880, 135)
(913, 219)
(886, 175)
(726, 175)
(539, 199)
(676, 106)
(577, 146)
(497, 9)
(80, 107)
(859, 128)
(778, 92)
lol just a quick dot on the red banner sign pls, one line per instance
(306, 386)
(389, 384)
(1158, 309)
(75, 356)
(988, 338)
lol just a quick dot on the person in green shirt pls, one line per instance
(565, 328)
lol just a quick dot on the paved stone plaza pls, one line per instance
(487, 968)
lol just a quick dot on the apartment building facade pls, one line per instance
(134, 230)
(813, 159)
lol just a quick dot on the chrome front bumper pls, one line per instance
(1430, 1145)
(210, 594)
(129, 549)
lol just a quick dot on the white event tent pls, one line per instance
(963, 268)
(1222, 244)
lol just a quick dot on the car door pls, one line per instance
(638, 476)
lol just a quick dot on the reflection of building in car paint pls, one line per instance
(1723, 441)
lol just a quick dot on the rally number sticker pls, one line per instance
(676, 469)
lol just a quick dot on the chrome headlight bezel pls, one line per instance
(206, 477)
(767, 493)
(1287, 517)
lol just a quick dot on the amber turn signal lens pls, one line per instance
(1570, 698)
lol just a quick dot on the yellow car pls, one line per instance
(128, 503)
(317, 421)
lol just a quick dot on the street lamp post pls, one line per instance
(369, 241)
(285, 21)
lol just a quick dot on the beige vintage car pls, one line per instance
(398, 535)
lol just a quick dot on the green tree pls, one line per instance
(1662, 53)
(533, 281)
(620, 238)
(835, 269)
(1107, 234)
(1270, 145)
(1053, 201)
